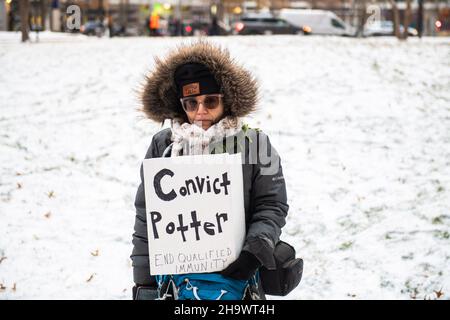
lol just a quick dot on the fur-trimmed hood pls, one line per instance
(159, 94)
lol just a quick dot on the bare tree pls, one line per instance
(362, 17)
(407, 19)
(420, 19)
(24, 19)
(396, 19)
(44, 12)
(123, 11)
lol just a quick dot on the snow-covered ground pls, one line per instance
(362, 126)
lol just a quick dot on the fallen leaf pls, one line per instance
(95, 253)
(439, 293)
(19, 185)
(3, 258)
(35, 237)
(90, 278)
(51, 194)
(48, 214)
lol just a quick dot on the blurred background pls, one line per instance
(226, 17)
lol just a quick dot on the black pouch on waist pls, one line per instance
(145, 293)
(286, 276)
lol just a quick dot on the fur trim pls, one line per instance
(159, 95)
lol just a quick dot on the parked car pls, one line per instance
(317, 21)
(264, 25)
(385, 28)
(93, 28)
(196, 27)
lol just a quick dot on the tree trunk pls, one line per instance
(407, 19)
(396, 19)
(24, 19)
(44, 13)
(420, 21)
(101, 10)
(362, 18)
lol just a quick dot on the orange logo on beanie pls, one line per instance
(191, 89)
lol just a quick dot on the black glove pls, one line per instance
(243, 268)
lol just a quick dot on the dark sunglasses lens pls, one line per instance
(190, 105)
(211, 102)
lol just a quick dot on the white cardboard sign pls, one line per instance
(195, 212)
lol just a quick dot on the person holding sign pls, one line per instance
(205, 94)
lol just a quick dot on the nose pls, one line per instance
(201, 108)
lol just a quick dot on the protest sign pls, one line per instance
(195, 212)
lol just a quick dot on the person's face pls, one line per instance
(204, 110)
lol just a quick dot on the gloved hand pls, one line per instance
(243, 268)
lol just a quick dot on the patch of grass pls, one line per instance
(408, 256)
(346, 245)
(442, 234)
(437, 220)
(386, 284)
(375, 66)
(410, 289)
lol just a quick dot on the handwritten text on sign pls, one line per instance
(195, 212)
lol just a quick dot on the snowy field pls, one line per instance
(362, 126)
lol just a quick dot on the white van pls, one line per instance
(317, 21)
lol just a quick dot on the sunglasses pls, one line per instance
(191, 104)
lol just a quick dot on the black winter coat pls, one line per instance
(265, 202)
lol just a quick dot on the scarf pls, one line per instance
(191, 139)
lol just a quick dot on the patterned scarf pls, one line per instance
(191, 139)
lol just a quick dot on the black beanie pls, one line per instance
(194, 79)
